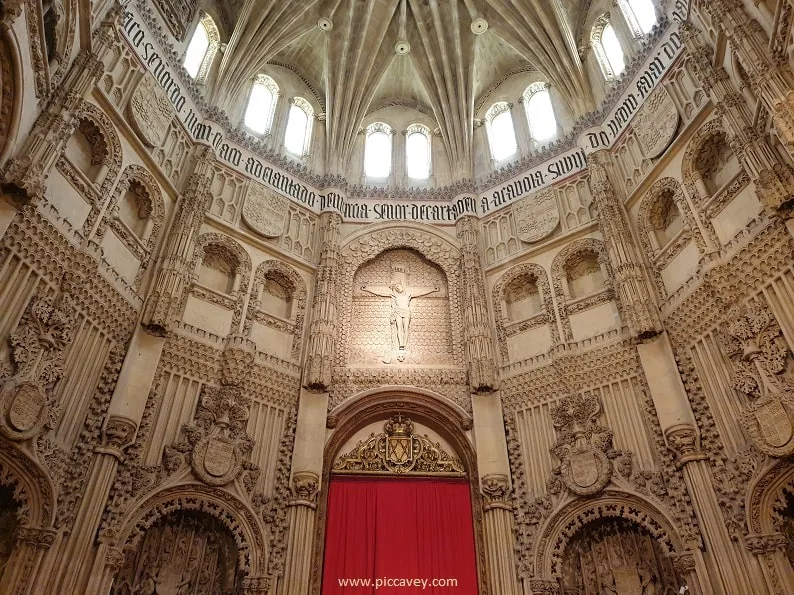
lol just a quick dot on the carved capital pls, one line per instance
(118, 433)
(305, 486)
(496, 492)
(114, 558)
(35, 537)
(256, 585)
(684, 441)
(684, 562)
(543, 587)
(765, 544)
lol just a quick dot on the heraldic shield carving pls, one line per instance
(582, 445)
(397, 450)
(760, 359)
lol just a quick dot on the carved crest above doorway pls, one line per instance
(398, 450)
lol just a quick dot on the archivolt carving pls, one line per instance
(241, 521)
(502, 322)
(112, 159)
(560, 528)
(562, 261)
(10, 104)
(299, 297)
(136, 173)
(766, 495)
(31, 486)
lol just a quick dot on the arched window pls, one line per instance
(540, 114)
(299, 127)
(377, 151)
(202, 48)
(607, 48)
(261, 104)
(417, 152)
(501, 134)
(639, 14)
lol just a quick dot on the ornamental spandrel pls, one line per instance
(398, 450)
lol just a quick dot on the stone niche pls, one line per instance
(371, 334)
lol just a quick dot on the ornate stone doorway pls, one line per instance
(614, 556)
(184, 553)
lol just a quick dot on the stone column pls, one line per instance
(307, 468)
(320, 349)
(78, 554)
(25, 561)
(773, 180)
(480, 352)
(638, 306)
(494, 469)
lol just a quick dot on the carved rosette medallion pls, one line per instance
(397, 450)
(264, 211)
(536, 216)
(760, 357)
(656, 123)
(582, 445)
(150, 111)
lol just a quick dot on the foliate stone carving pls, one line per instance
(537, 216)
(496, 492)
(37, 347)
(684, 441)
(238, 356)
(217, 444)
(178, 14)
(582, 445)
(117, 434)
(398, 450)
(305, 486)
(150, 111)
(656, 123)
(265, 211)
(765, 544)
(753, 341)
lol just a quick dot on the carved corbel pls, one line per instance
(237, 360)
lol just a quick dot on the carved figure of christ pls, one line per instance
(400, 305)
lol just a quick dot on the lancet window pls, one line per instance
(202, 48)
(639, 14)
(261, 104)
(501, 132)
(377, 150)
(299, 127)
(607, 48)
(540, 113)
(417, 152)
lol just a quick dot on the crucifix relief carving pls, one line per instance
(401, 295)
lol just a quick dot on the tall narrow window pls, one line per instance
(299, 120)
(607, 48)
(540, 114)
(639, 14)
(417, 152)
(501, 134)
(261, 104)
(377, 151)
(202, 48)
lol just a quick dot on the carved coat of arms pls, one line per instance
(265, 211)
(151, 111)
(536, 216)
(656, 123)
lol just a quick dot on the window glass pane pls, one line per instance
(377, 155)
(542, 124)
(417, 156)
(197, 50)
(260, 105)
(503, 138)
(295, 137)
(612, 49)
(644, 13)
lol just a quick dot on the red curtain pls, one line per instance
(392, 531)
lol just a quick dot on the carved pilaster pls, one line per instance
(479, 342)
(638, 306)
(319, 358)
(25, 175)
(163, 306)
(773, 180)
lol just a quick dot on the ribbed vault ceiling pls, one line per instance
(355, 68)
